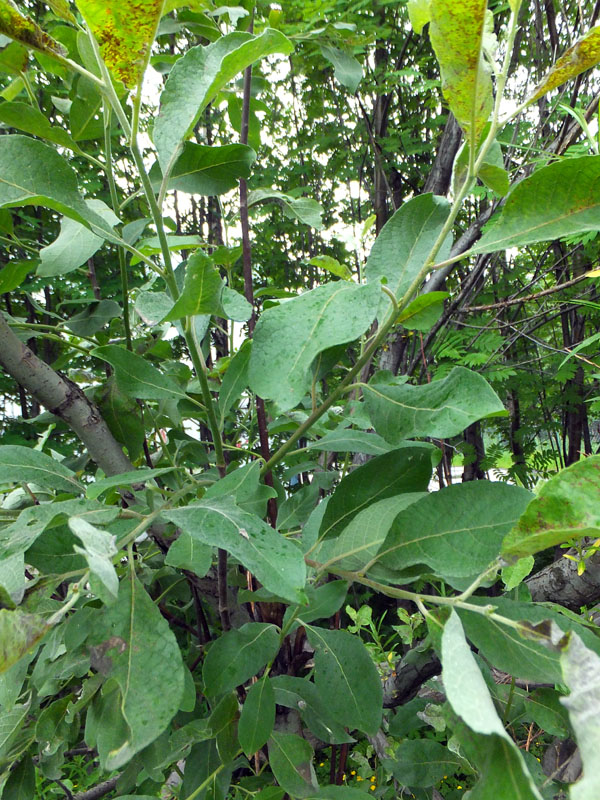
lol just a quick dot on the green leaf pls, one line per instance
(323, 601)
(404, 470)
(75, 243)
(440, 409)
(303, 696)
(204, 768)
(187, 553)
(136, 376)
(565, 508)
(13, 60)
(235, 379)
(331, 265)
(422, 762)
(581, 56)
(238, 655)
(32, 173)
(275, 561)
(198, 77)
(25, 465)
(125, 30)
(235, 305)
(134, 646)
(11, 723)
(223, 724)
(347, 69)
(536, 212)
(469, 697)
(19, 632)
(202, 289)
(304, 209)
(360, 541)
(511, 652)
(123, 416)
(24, 30)
(516, 573)
(243, 484)
(495, 178)
(288, 337)
(98, 550)
(13, 274)
(25, 117)
(346, 440)
(94, 317)
(347, 676)
(257, 717)
(545, 708)
(423, 312)
(153, 307)
(21, 781)
(458, 30)
(457, 532)
(138, 476)
(580, 668)
(404, 244)
(419, 13)
(290, 759)
(201, 169)
(31, 522)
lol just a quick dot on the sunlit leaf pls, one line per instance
(583, 55)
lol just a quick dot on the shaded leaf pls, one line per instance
(187, 553)
(153, 307)
(405, 470)
(24, 464)
(440, 409)
(136, 376)
(137, 476)
(565, 507)
(457, 532)
(347, 676)
(237, 655)
(423, 312)
(290, 758)
(94, 317)
(535, 212)
(125, 30)
(243, 484)
(583, 55)
(346, 440)
(422, 762)
(288, 337)
(404, 244)
(21, 781)
(257, 717)
(347, 69)
(303, 696)
(275, 561)
(13, 274)
(196, 79)
(201, 169)
(25, 117)
(235, 379)
(133, 645)
(304, 209)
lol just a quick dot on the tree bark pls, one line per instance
(64, 399)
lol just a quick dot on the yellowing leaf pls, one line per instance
(125, 31)
(584, 54)
(419, 14)
(459, 35)
(23, 29)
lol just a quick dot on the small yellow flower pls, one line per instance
(322, 764)
(373, 778)
(459, 787)
(352, 772)
(344, 776)
(358, 778)
(372, 787)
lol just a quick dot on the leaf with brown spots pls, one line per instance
(458, 32)
(566, 507)
(125, 30)
(19, 632)
(584, 54)
(24, 30)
